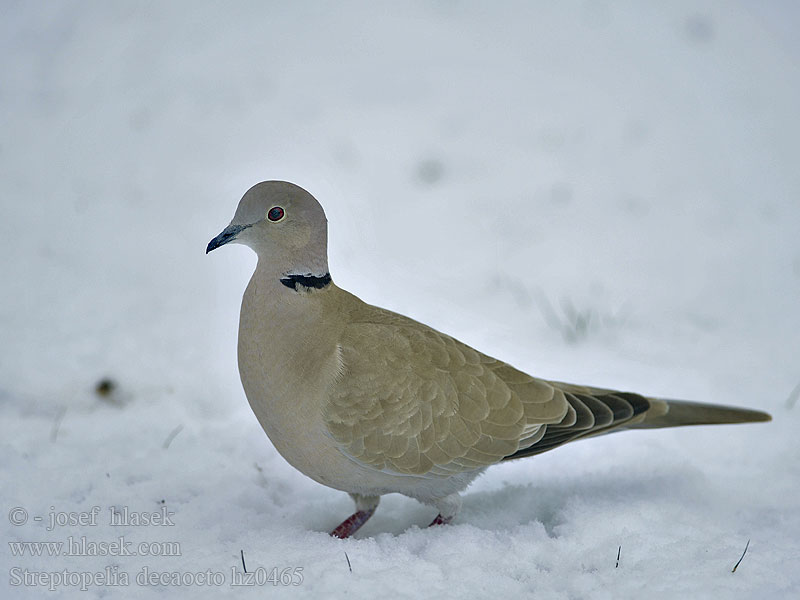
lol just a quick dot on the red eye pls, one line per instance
(275, 213)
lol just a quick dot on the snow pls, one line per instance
(604, 193)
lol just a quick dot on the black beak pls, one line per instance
(228, 235)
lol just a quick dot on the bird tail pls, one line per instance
(676, 413)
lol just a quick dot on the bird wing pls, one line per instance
(412, 400)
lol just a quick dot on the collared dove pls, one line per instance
(370, 402)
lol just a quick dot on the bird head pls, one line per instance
(284, 225)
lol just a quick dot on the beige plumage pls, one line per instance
(370, 402)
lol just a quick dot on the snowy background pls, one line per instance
(604, 193)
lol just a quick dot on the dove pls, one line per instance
(371, 402)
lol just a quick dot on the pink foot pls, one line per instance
(440, 520)
(352, 523)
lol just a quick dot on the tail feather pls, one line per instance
(677, 413)
(594, 411)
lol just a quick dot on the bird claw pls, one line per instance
(440, 520)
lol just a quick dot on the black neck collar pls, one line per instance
(308, 281)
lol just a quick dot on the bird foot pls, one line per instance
(352, 523)
(440, 520)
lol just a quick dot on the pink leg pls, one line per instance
(440, 520)
(352, 523)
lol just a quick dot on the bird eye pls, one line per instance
(275, 213)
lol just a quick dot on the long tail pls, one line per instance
(676, 413)
(596, 411)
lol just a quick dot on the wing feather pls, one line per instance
(412, 400)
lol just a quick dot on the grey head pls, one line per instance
(284, 225)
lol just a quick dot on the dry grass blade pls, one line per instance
(793, 397)
(747, 545)
(57, 423)
(172, 435)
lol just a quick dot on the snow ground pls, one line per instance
(503, 172)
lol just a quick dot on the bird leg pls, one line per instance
(448, 508)
(352, 524)
(365, 508)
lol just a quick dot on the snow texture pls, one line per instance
(603, 193)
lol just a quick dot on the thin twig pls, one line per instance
(172, 435)
(619, 551)
(349, 566)
(57, 423)
(244, 566)
(740, 560)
